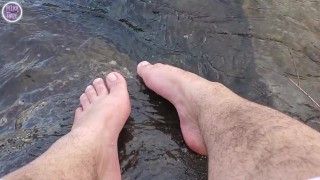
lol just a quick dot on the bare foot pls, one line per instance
(189, 93)
(90, 150)
(103, 114)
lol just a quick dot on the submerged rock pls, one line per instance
(59, 47)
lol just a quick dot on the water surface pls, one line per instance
(59, 47)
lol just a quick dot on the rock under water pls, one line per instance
(59, 47)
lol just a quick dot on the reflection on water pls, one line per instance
(59, 47)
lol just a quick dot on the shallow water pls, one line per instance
(59, 47)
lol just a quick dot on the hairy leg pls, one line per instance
(243, 140)
(90, 150)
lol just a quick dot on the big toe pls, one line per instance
(163, 79)
(117, 86)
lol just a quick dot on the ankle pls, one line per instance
(215, 110)
(102, 150)
(108, 163)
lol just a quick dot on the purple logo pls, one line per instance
(12, 12)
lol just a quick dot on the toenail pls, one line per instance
(89, 87)
(112, 77)
(143, 63)
(99, 80)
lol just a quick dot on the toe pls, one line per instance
(142, 66)
(117, 84)
(100, 87)
(91, 93)
(77, 113)
(160, 78)
(118, 92)
(143, 63)
(85, 103)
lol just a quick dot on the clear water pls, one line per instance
(59, 47)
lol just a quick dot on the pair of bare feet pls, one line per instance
(243, 140)
(106, 107)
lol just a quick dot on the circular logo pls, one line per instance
(12, 12)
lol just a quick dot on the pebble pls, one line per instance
(3, 121)
(113, 63)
